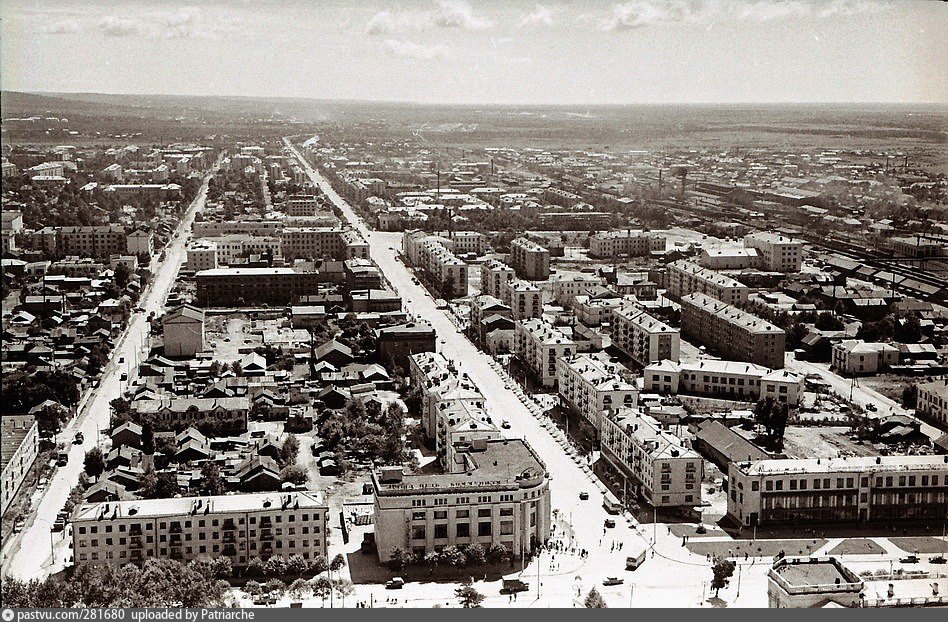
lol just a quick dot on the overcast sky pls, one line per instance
(460, 51)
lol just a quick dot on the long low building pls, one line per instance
(225, 287)
(833, 490)
(494, 492)
(238, 527)
(664, 471)
(607, 244)
(731, 380)
(230, 413)
(733, 332)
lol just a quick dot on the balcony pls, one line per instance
(266, 533)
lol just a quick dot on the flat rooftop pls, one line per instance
(811, 573)
(843, 464)
(182, 506)
(500, 464)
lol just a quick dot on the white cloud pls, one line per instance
(62, 27)
(643, 13)
(448, 14)
(542, 15)
(408, 49)
(119, 26)
(182, 23)
(458, 14)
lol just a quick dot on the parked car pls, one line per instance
(584, 496)
(395, 583)
(609, 523)
(505, 424)
(78, 439)
(939, 559)
(62, 459)
(613, 581)
(909, 559)
(871, 407)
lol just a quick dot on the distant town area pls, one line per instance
(259, 358)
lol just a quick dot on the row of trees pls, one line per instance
(451, 556)
(158, 583)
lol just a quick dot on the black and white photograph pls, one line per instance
(365, 304)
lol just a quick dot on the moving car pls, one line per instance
(909, 559)
(609, 523)
(512, 586)
(79, 438)
(940, 559)
(62, 459)
(505, 424)
(613, 581)
(584, 496)
(395, 583)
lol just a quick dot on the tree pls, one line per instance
(475, 554)
(344, 588)
(276, 565)
(910, 396)
(432, 559)
(253, 588)
(148, 438)
(288, 451)
(122, 275)
(723, 570)
(497, 553)
(256, 567)
(594, 600)
(452, 556)
(322, 587)
(94, 463)
(827, 320)
(299, 588)
(274, 587)
(49, 420)
(468, 597)
(165, 486)
(399, 558)
(338, 563)
(296, 565)
(318, 565)
(211, 484)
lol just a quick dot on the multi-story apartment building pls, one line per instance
(460, 423)
(140, 242)
(643, 338)
(495, 492)
(778, 253)
(606, 244)
(494, 274)
(854, 357)
(302, 205)
(684, 277)
(538, 345)
(833, 490)
(567, 288)
(19, 435)
(731, 380)
(222, 287)
(483, 308)
(315, 243)
(430, 254)
(204, 228)
(592, 385)
(664, 471)
(933, 400)
(90, 241)
(729, 258)
(238, 527)
(524, 298)
(595, 311)
(734, 333)
(202, 255)
(354, 245)
(529, 260)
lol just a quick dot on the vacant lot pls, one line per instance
(857, 546)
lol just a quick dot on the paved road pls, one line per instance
(678, 569)
(29, 556)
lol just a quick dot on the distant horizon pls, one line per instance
(328, 100)
(484, 52)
